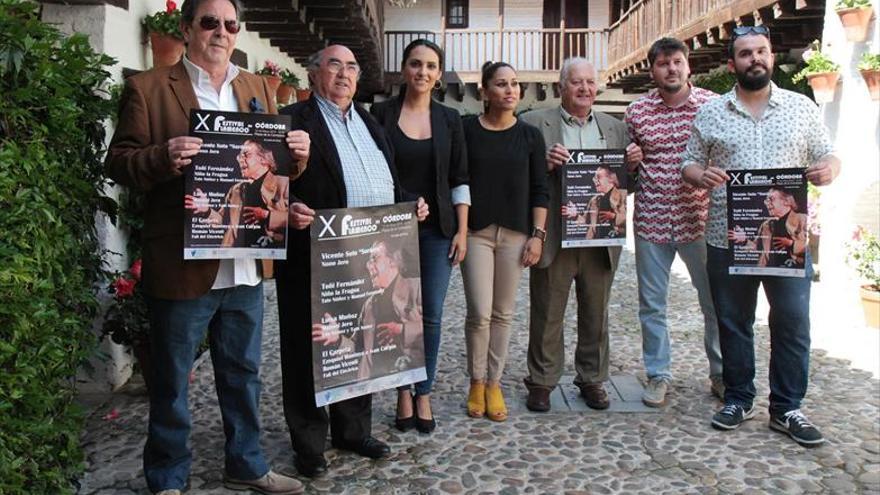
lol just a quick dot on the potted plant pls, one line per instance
(821, 73)
(869, 66)
(166, 40)
(855, 15)
(289, 82)
(125, 321)
(272, 73)
(864, 255)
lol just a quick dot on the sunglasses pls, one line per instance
(746, 30)
(210, 23)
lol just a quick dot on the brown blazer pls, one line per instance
(154, 108)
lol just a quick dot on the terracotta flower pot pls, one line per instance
(273, 81)
(824, 84)
(303, 94)
(167, 50)
(283, 94)
(855, 22)
(870, 305)
(872, 79)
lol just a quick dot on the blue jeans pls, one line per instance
(653, 262)
(736, 297)
(234, 320)
(435, 272)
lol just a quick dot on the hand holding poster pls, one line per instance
(366, 301)
(767, 222)
(594, 199)
(236, 196)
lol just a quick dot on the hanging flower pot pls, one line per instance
(303, 94)
(824, 84)
(284, 93)
(273, 82)
(872, 79)
(855, 22)
(870, 305)
(167, 49)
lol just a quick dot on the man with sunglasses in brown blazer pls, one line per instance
(149, 151)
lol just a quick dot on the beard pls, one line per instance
(754, 82)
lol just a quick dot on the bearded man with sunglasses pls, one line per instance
(149, 151)
(757, 125)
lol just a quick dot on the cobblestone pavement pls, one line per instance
(673, 450)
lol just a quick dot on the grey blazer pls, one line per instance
(549, 121)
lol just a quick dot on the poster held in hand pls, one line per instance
(594, 188)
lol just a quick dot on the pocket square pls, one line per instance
(256, 106)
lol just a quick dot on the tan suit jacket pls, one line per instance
(549, 122)
(154, 108)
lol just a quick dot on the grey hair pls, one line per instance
(189, 8)
(568, 63)
(313, 63)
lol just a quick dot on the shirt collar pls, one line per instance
(574, 121)
(200, 76)
(774, 101)
(655, 98)
(328, 106)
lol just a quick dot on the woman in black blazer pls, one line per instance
(431, 162)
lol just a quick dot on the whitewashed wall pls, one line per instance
(118, 33)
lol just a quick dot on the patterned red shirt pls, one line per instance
(667, 208)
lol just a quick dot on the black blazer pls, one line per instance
(450, 154)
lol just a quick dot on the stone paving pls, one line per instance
(569, 450)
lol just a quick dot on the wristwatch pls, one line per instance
(539, 233)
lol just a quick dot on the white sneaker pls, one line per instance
(655, 392)
(173, 491)
(271, 483)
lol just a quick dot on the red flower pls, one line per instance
(135, 269)
(123, 287)
(170, 6)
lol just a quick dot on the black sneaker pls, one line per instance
(731, 416)
(798, 427)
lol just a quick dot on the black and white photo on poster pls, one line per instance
(236, 189)
(594, 192)
(767, 222)
(366, 301)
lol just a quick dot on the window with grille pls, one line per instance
(457, 14)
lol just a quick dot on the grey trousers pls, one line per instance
(591, 271)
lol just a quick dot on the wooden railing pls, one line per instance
(648, 20)
(525, 49)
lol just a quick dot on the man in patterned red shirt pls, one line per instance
(670, 214)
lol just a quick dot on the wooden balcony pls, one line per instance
(537, 54)
(705, 26)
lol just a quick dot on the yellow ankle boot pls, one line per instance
(495, 407)
(476, 403)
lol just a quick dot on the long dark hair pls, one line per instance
(489, 69)
(421, 42)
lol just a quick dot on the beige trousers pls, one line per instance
(490, 272)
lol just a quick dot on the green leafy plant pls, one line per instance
(851, 4)
(126, 321)
(869, 61)
(817, 63)
(52, 117)
(718, 80)
(270, 68)
(289, 78)
(165, 22)
(863, 254)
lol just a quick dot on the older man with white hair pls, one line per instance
(572, 125)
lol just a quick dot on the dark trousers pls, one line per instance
(350, 420)
(736, 297)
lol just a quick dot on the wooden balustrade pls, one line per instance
(525, 49)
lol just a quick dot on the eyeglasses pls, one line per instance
(746, 30)
(210, 23)
(336, 65)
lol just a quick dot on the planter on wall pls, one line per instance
(303, 94)
(824, 84)
(870, 305)
(855, 22)
(283, 94)
(167, 50)
(872, 79)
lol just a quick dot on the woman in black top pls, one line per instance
(431, 161)
(506, 230)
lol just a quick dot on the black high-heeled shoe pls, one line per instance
(423, 425)
(406, 424)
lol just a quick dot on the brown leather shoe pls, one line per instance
(539, 399)
(595, 396)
